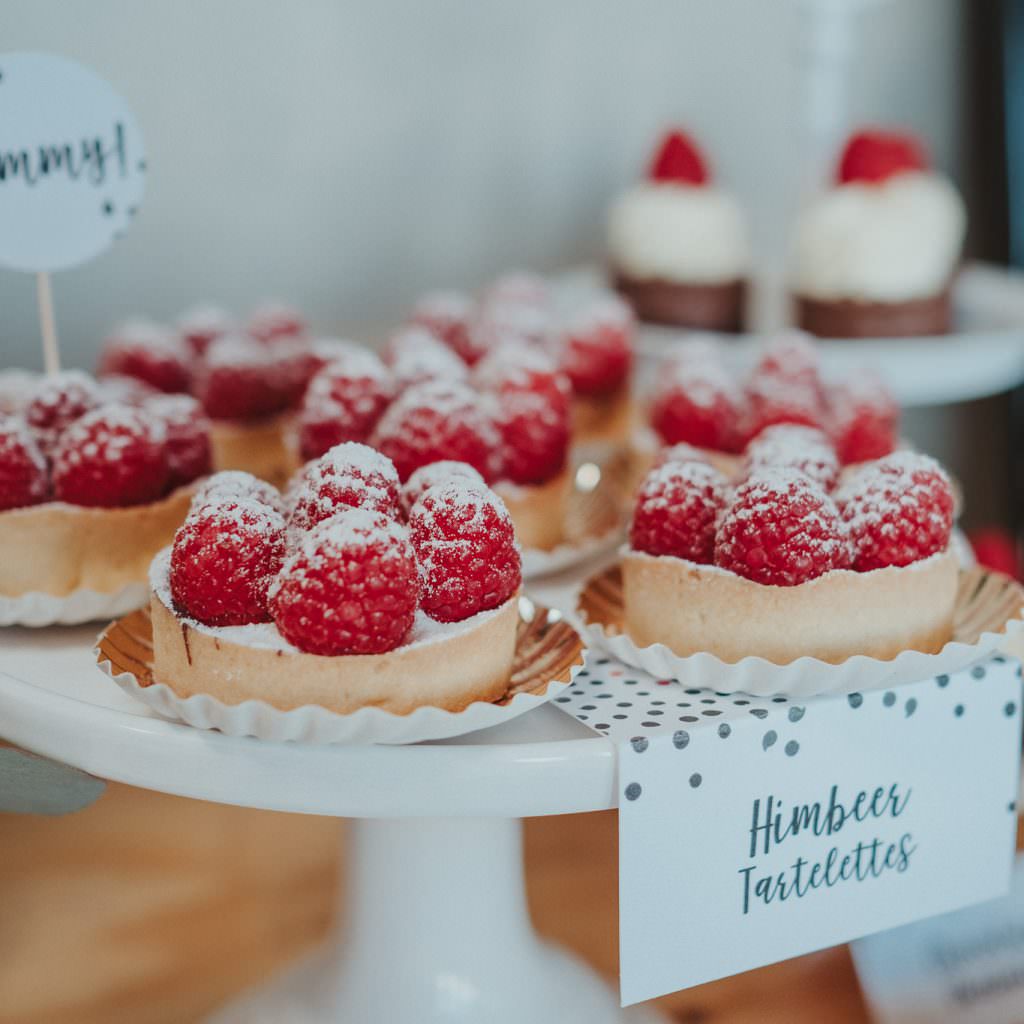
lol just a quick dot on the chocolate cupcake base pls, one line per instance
(707, 307)
(847, 318)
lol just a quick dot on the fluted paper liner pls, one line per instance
(548, 654)
(39, 609)
(988, 610)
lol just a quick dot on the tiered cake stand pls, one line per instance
(436, 926)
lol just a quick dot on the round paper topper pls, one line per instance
(72, 163)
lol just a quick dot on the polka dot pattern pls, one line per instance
(636, 710)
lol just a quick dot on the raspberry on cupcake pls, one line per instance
(23, 477)
(876, 253)
(678, 245)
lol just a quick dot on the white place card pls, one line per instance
(754, 830)
(961, 968)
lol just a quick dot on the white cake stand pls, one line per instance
(437, 928)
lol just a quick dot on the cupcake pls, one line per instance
(876, 254)
(678, 245)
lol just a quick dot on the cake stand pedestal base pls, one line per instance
(437, 932)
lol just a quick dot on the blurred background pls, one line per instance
(344, 156)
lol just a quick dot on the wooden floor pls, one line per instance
(148, 909)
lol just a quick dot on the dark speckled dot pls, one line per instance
(855, 700)
(708, 700)
(681, 739)
(711, 713)
(759, 712)
(639, 743)
(601, 725)
(779, 700)
(741, 703)
(910, 707)
(943, 681)
(769, 739)
(959, 711)
(795, 714)
(695, 780)
(1010, 709)
(588, 707)
(688, 718)
(693, 693)
(649, 725)
(889, 699)
(620, 718)
(724, 731)
(791, 748)
(633, 791)
(978, 672)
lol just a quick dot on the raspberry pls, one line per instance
(57, 401)
(436, 473)
(676, 510)
(435, 421)
(678, 161)
(790, 356)
(874, 156)
(898, 509)
(291, 365)
(532, 412)
(507, 323)
(23, 479)
(235, 484)
(467, 552)
(773, 399)
(111, 457)
(697, 403)
(188, 436)
(864, 418)
(275, 321)
(596, 347)
(201, 326)
(781, 529)
(350, 588)
(350, 475)
(343, 402)
(446, 315)
(416, 356)
(236, 380)
(790, 446)
(223, 561)
(150, 352)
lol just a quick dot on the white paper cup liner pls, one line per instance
(548, 655)
(38, 609)
(988, 611)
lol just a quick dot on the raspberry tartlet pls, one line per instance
(507, 417)
(678, 243)
(589, 334)
(248, 378)
(701, 400)
(876, 254)
(90, 490)
(781, 562)
(357, 595)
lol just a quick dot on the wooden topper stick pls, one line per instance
(47, 323)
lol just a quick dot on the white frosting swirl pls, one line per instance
(680, 233)
(891, 242)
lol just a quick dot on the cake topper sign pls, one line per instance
(72, 169)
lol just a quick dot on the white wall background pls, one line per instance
(344, 154)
